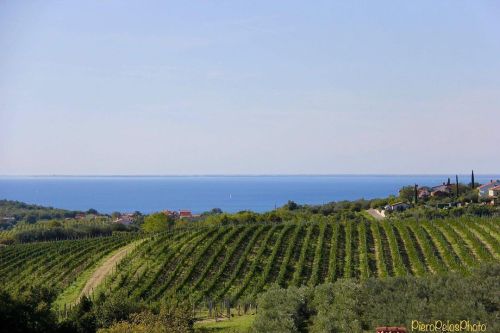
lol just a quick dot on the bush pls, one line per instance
(282, 310)
(168, 320)
(114, 308)
(28, 312)
(338, 307)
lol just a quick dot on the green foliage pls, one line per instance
(285, 266)
(350, 306)
(282, 310)
(168, 320)
(407, 193)
(318, 254)
(53, 264)
(348, 249)
(297, 275)
(338, 307)
(237, 262)
(55, 230)
(157, 222)
(82, 318)
(27, 312)
(379, 203)
(362, 249)
(20, 211)
(113, 308)
(291, 205)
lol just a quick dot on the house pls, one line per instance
(424, 192)
(443, 190)
(171, 213)
(126, 219)
(185, 214)
(448, 205)
(397, 207)
(494, 192)
(485, 188)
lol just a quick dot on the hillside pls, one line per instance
(54, 264)
(236, 262)
(11, 212)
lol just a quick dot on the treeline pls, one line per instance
(289, 212)
(361, 306)
(60, 231)
(31, 311)
(430, 213)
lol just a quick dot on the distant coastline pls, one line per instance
(202, 193)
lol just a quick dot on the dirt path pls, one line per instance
(106, 268)
(375, 214)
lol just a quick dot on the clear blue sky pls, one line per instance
(249, 87)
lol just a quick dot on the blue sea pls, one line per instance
(201, 193)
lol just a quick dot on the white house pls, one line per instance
(494, 192)
(397, 207)
(485, 189)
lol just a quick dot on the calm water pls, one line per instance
(231, 194)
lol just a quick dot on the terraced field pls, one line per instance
(234, 262)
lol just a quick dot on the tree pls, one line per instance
(291, 205)
(31, 218)
(416, 194)
(282, 310)
(472, 183)
(82, 318)
(216, 211)
(456, 183)
(28, 312)
(406, 193)
(157, 222)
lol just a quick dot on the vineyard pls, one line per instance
(54, 264)
(239, 261)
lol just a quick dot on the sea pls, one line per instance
(148, 194)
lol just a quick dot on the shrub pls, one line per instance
(282, 310)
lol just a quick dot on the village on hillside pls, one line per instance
(445, 195)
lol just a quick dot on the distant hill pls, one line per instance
(12, 212)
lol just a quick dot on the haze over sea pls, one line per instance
(201, 193)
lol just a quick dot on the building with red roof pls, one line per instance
(185, 214)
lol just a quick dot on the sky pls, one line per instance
(249, 87)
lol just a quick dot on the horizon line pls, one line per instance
(243, 175)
